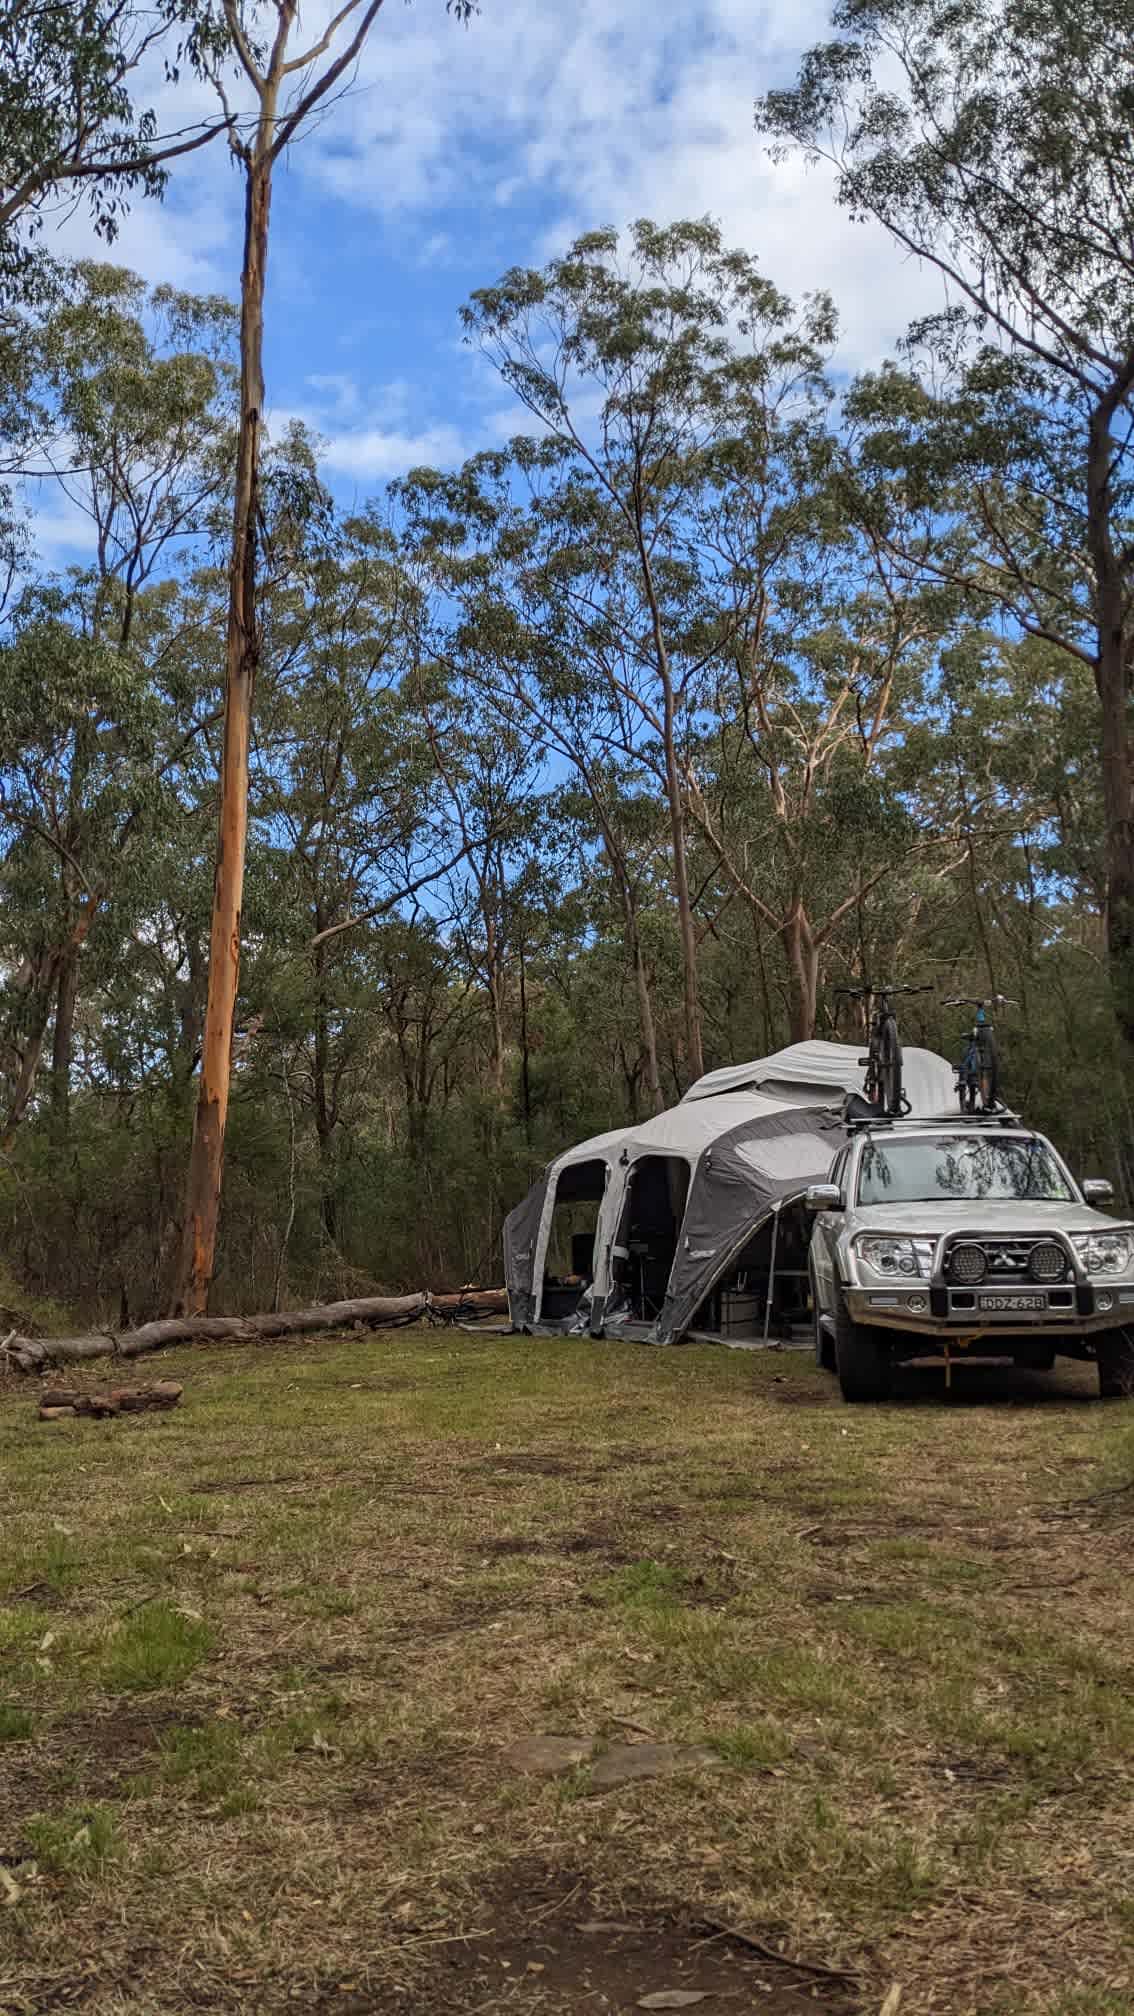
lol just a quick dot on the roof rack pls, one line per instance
(1003, 1117)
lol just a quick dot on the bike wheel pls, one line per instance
(890, 1067)
(871, 1085)
(989, 1076)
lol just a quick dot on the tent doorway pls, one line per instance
(569, 1263)
(646, 1241)
(766, 1291)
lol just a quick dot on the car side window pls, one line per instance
(839, 1168)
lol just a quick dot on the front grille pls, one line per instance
(1007, 1259)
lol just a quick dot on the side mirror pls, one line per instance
(823, 1197)
(1096, 1189)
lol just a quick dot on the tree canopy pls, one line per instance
(608, 756)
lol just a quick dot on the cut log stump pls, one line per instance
(61, 1403)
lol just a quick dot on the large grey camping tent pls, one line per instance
(693, 1221)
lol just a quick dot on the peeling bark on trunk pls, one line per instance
(206, 1157)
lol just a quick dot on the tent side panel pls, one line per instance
(737, 1181)
(521, 1232)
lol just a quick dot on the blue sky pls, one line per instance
(460, 151)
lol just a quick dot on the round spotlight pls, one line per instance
(1047, 1261)
(916, 1305)
(1103, 1301)
(967, 1265)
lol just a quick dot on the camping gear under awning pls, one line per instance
(738, 1181)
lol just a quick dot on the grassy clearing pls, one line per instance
(259, 1659)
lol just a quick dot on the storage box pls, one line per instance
(742, 1313)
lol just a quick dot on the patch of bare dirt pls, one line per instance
(597, 1544)
(87, 1754)
(542, 1940)
(591, 1469)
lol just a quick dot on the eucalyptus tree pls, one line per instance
(650, 370)
(344, 803)
(99, 721)
(70, 128)
(791, 783)
(994, 139)
(287, 86)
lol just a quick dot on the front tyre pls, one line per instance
(1114, 1353)
(862, 1357)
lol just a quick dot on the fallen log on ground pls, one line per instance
(62, 1403)
(369, 1312)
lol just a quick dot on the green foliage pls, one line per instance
(158, 1646)
(78, 1842)
(465, 754)
(69, 119)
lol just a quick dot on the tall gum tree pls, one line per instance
(644, 365)
(993, 138)
(285, 88)
(133, 394)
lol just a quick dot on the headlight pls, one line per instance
(893, 1258)
(1103, 1252)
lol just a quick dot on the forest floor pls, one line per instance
(262, 1661)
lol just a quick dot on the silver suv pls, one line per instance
(941, 1238)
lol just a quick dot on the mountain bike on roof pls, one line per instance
(978, 1069)
(882, 1091)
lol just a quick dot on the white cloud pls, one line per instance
(373, 454)
(603, 114)
(370, 436)
(526, 126)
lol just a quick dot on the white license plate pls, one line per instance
(1007, 1302)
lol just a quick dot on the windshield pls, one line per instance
(968, 1166)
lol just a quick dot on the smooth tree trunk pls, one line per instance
(691, 1002)
(525, 1053)
(1113, 671)
(690, 993)
(494, 980)
(206, 1157)
(39, 980)
(645, 1004)
(324, 1113)
(803, 974)
(62, 1039)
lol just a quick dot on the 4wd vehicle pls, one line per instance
(965, 1235)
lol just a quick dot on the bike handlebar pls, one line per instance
(971, 1001)
(858, 993)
